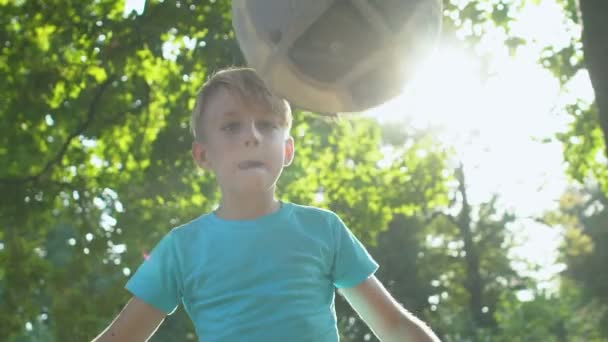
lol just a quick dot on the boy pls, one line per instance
(256, 268)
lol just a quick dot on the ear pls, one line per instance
(289, 151)
(199, 154)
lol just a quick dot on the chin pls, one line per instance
(254, 186)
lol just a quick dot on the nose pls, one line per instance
(253, 135)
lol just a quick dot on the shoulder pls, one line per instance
(183, 241)
(188, 231)
(303, 209)
(314, 215)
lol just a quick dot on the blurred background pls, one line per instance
(481, 190)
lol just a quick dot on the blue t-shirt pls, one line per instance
(272, 278)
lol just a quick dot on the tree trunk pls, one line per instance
(594, 15)
(474, 282)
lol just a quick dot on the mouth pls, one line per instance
(250, 164)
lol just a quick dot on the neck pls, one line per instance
(247, 207)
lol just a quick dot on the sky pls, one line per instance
(497, 125)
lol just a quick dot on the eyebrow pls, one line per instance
(229, 113)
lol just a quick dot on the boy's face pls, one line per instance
(244, 145)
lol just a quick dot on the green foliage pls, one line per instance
(549, 317)
(95, 113)
(583, 214)
(95, 139)
(96, 169)
(441, 294)
(584, 145)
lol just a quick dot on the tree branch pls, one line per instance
(92, 111)
(442, 214)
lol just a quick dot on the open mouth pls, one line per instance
(250, 164)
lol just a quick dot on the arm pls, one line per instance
(385, 317)
(136, 322)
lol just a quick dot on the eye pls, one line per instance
(230, 127)
(267, 124)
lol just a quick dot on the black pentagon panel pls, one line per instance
(334, 44)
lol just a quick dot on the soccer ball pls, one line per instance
(331, 56)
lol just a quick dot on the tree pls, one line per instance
(96, 166)
(583, 214)
(92, 112)
(586, 140)
(549, 316)
(95, 110)
(593, 14)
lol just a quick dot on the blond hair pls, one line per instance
(245, 83)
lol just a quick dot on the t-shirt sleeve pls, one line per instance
(157, 281)
(352, 262)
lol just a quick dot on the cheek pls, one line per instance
(217, 154)
(279, 152)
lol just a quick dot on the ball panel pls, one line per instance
(419, 35)
(332, 44)
(395, 12)
(374, 86)
(269, 21)
(312, 96)
(255, 49)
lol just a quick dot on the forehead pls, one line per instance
(226, 103)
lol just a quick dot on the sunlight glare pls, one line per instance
(500, 112)
(134, 5)
(495, 116)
